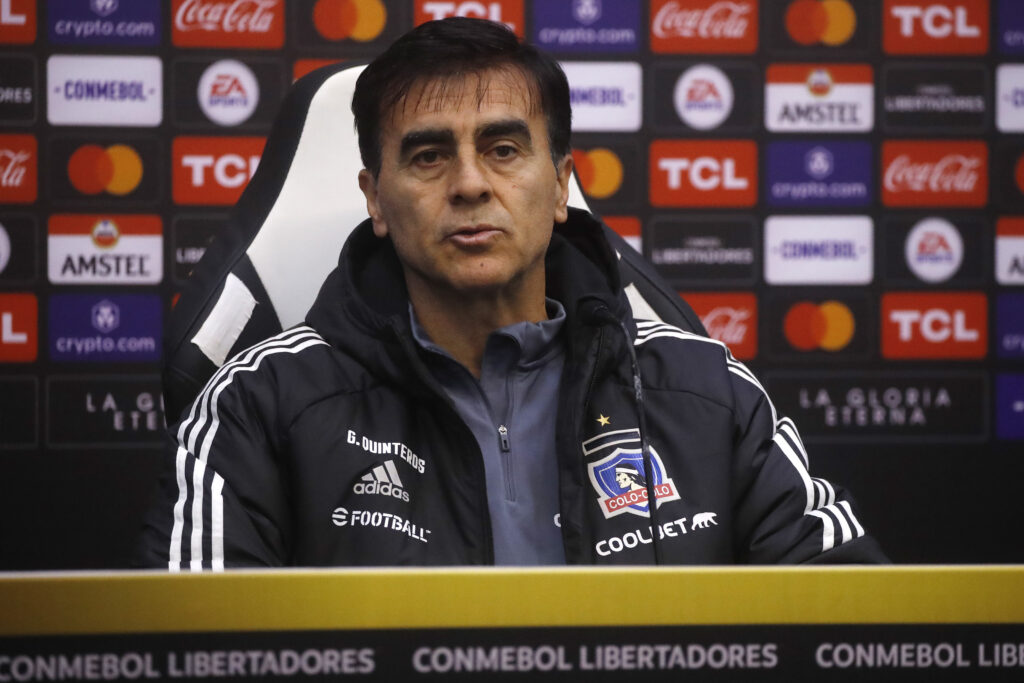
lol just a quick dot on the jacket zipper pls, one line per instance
(507, 462)
(407, 345)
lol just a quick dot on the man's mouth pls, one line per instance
(474, 235)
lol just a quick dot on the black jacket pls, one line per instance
(331, 444)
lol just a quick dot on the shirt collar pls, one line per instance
(533, 339)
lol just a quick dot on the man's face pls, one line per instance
(467, 190)
(624, 481)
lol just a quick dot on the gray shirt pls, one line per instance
(511, 411)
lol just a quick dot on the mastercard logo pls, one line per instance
(599, 171)
(116, 169)
(828, 326)
(830, 22)
(359, 20)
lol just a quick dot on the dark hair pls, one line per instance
(455, 48)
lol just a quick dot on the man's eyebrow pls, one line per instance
(497, 129)
(428, 136)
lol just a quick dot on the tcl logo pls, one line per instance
(212, 170)
(19, 326)
(729, 317)
(705, 26)
(228, 23)
(934, 173)
(936, 27)
(703, 173)
(17, 21)
(18, 169)
(934, 325)
(510, 12)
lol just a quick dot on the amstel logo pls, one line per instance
(358, 20)
(599, 171)
(116, 169)
(826, 22)
(828, 326)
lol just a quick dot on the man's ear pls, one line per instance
(563, 174)
(368, 184)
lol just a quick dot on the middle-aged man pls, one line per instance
(470, 386)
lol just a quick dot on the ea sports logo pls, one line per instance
(5, 248)
(828, 326)
(829, 22)
(599, 170)
(934, 250)
(116, 169)
(228, 92)
(359, 20)
(703, 97)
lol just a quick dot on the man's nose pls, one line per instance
(469, 182)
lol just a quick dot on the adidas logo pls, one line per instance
(382, 480)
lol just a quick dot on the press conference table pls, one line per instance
(760, 624)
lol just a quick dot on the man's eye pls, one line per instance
(505, 151)
(427, 157)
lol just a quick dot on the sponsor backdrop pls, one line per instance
(836, 185)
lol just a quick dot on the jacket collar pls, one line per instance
(365, 299)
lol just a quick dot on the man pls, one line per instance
(471, 385)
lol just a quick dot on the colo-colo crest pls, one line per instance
(619, 477)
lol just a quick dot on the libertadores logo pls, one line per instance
(19, 163)
(704, 26)
(358, 20)
(116, 169)
(599, 171)
(228, 23)
(825, 22)
(934, 173)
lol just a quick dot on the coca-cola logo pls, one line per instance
(228, 23)
(13, 167)
(727, 324)
(952, 173)
(234, 16)
(721, 20)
